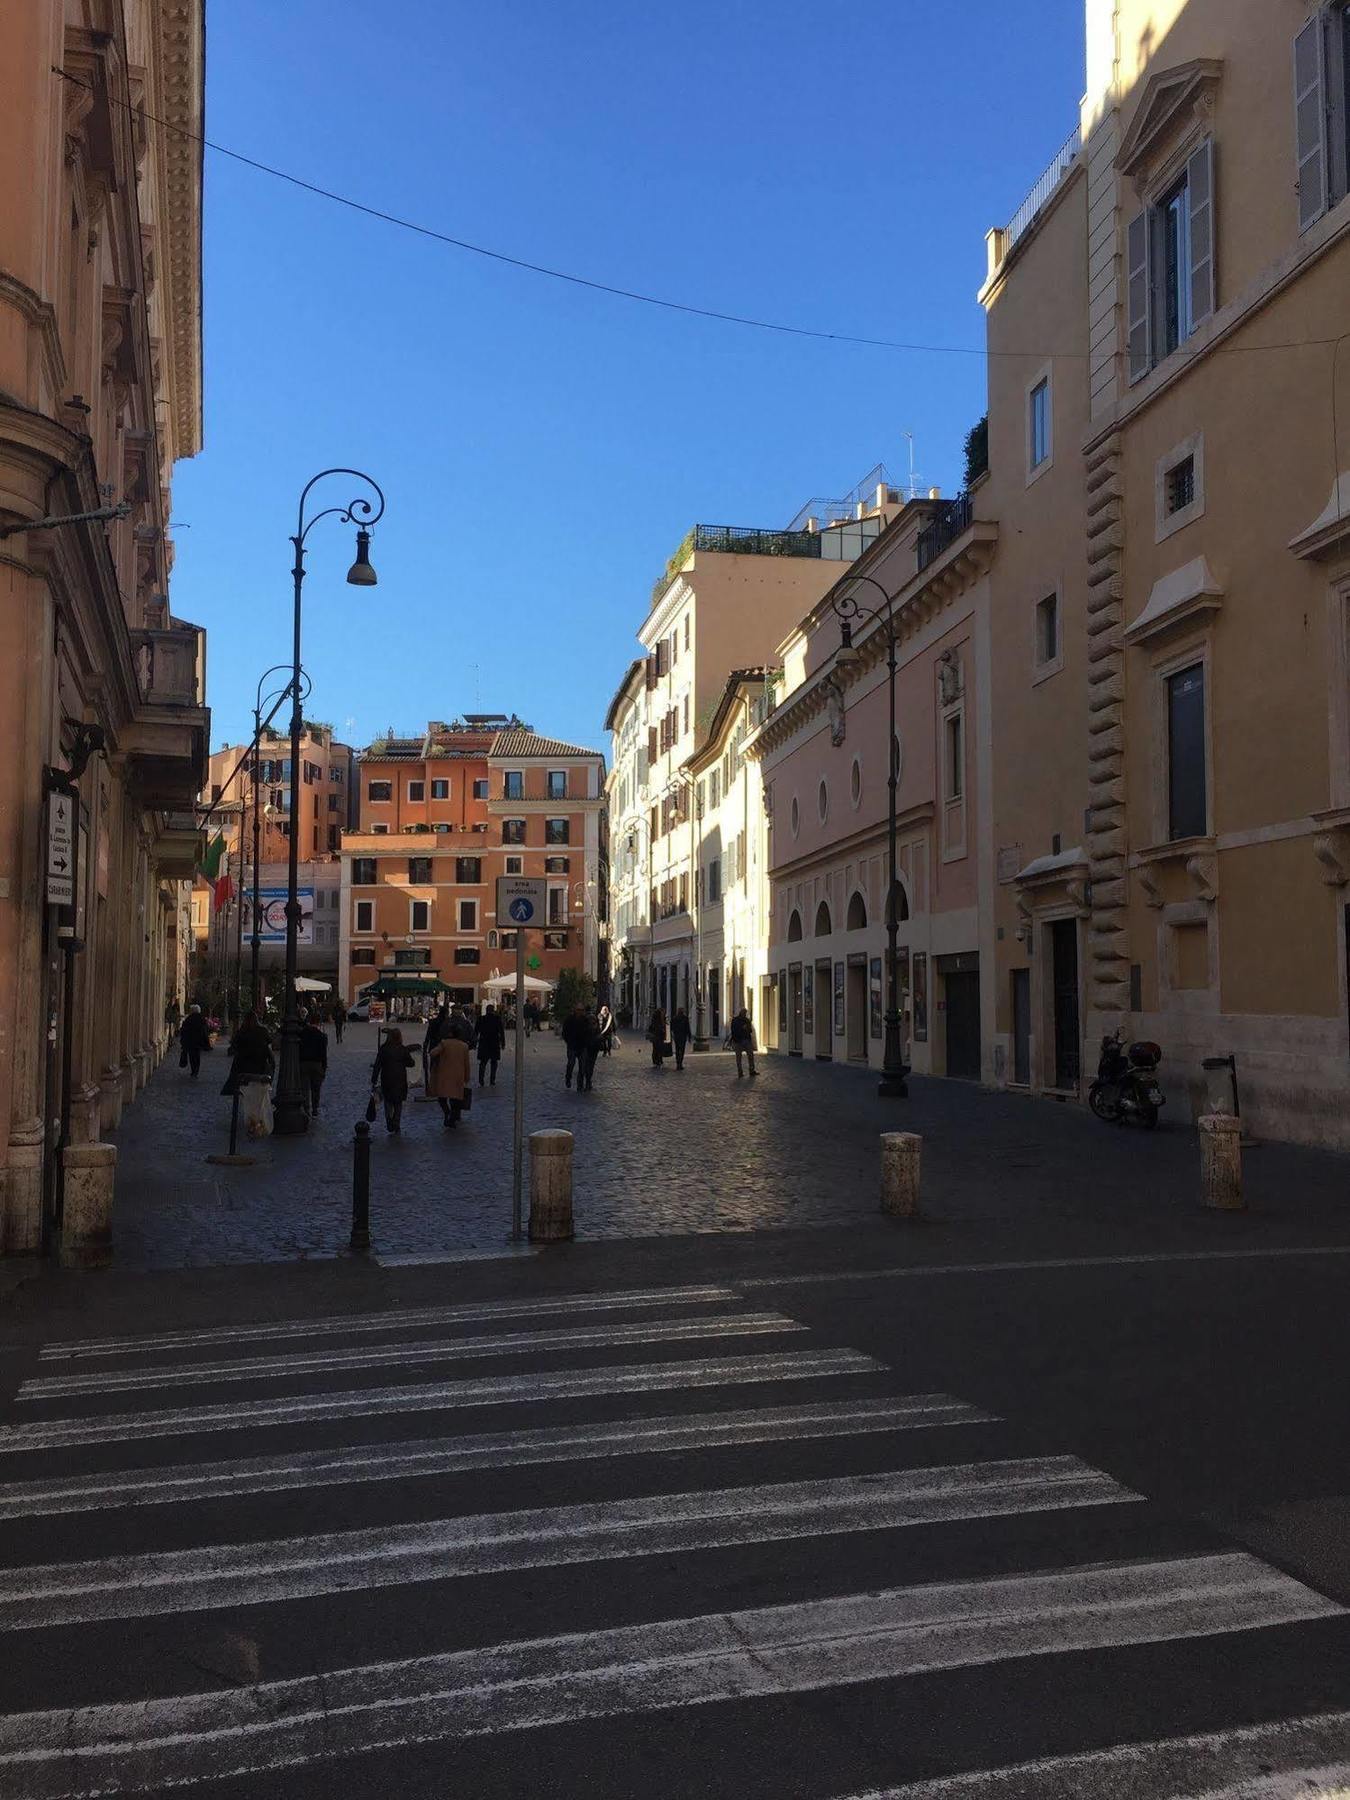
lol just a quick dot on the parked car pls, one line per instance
(359, 1010)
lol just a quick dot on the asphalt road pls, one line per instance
(822, 1515)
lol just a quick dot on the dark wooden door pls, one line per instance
(961, 992)
(1064, 974)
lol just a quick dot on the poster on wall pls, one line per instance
(809, 1000)
(874, 997)
(272, 905)
(920, 997)
(839, 999)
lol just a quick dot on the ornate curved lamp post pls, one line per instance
(893, 1084)
(290, 1115)
(255, 940)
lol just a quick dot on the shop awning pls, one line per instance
(389, 985)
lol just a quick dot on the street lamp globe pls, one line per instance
(361, 574)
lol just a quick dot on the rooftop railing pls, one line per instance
(1021, 220)
(948, 522)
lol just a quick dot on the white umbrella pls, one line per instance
(306, 984)
(506, 984)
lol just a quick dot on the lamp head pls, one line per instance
(846, 653)
(361, 574)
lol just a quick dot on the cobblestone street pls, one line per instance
(697, 1151)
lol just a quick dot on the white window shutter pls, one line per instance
(1136, 243)
(1200, 193)
(1310, 122)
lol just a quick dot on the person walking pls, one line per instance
(605, 1023)
(680, 1034)
(656, 1037)
(194, 1036)
(449, 1078)
(590, 1051)
(438, 1027)
(491, 1039)
(339, 1021)
(743, 1042)
(313, 1060)
(575, 1037)
(251, 1069)
(389, 1074)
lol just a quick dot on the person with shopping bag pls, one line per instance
(448, 1080)
(389, 1078)
(250, 1076)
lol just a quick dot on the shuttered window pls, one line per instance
(1187, 801)
(1310, 121)
(1200, 197)
(1170, 250)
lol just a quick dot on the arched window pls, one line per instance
(823, 925)
(795, 928)
(901, 902)
(857, 912)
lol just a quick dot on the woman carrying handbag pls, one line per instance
(389, 1079)
(448, 1080)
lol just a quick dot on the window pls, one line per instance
(380, 791)
(216, 791)
(419, 916)
(557, 905)
(1322, 111)
(855, 782)
(954, 762)
(363, 958)
(363, 871)
(1187, 798)
(1180, 486)
(557, 831)
(513, 831)
(333, 837)
(513, 785)
(379, 831)
(465, 954)
(480, 789)
(469, 869)
(557, 784)
(1038, 424)
(686, 712)
(714, 881)
(333, 802)
(796, 816)
(365, 916)
(336, 776)
(715, 788)
(823, 801)
(1047, 631)
(440, 788)
(515, 865)
(509, 939)
(468, 915)
(557, 865)
(412, 959)
(555, 940)
(1170, 263)
(419, 870)
(686, 631)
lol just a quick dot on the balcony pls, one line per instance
(167, 741)
(737, 540)
(949, 520)
(178, 847)
(1003, 239)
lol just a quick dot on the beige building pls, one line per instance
(323, 799)
(101, 687)
(1170, 468)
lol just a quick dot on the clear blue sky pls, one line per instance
(543, 449)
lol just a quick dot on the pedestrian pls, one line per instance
(680, 1035)
(743, 1042)
(313, 1060)
(250, 1076)
(461, 1026)
(531, 1017)
(339, 1020)
(438, 1027)
(575, 1036)
(449, 1078)
(605, 1022)
(173, 1014)
(656, 1037)
(194, 1037)
(389, 1076)
(491, 1039)
(590, 1051)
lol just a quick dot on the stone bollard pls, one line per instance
(550, 1187)
(1220, 1162)
(900, 1152)
(86, 1211)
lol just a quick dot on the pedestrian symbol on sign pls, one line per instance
(522, 910)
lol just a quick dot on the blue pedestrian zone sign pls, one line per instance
(522, 910)
(521, 899)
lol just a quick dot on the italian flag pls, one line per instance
(209, 868)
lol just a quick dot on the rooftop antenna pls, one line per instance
(913, 490)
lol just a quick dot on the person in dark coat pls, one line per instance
(313, 1060)
(389, 1073)
(250, 1054)
(604, 1020)
(339, 1020)
(575, 1036)
(194, 1037)
(491, 1039)
(590, 1051)
(743, 1041)
(438, 1027)
(656, 1037)
(461, 1026)
(680, 1035)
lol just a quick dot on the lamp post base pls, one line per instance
(893, 1085)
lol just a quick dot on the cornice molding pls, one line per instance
(1168, 103)
(40, 316)
(179, 101)
(865, 837)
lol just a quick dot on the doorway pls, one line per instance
(857, 1009)
(1064, 979)
(1021, 1027)
(961, 994)
(794, 980)
(714, 1002)
(824, 1011)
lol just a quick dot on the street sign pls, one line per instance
(521, 900)
(61, 849)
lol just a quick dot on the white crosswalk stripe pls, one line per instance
(454, 1349)
(488, 1450)
(858, 1473)
(674, 1663)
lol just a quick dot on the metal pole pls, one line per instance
(518, 1143)
(892, 1084)
(290, 1117)
(70, 946)
(360, 1238)
(255, 941)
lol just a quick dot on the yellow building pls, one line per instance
(1169, 449)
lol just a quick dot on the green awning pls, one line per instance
(389, 985)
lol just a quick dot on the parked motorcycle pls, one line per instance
(1126, 1089)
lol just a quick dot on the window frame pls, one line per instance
(440, 781)
(368, 908)
(413, 906)
(384, 799)
(1042, 380)
(482, 787)
(465, 907)
(463, 878)
(1166, 523)
(1042, 668)
(419, 782)
(1169, 673)
(1145, 317)
(513, 784)
(509, 832)
(416, 880)
(552, 837)
(558, 791)
(359, 865)
(518, 861)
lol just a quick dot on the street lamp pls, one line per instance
(893, 1071)
(290, 1117)
(255, 941)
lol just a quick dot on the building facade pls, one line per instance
(102, 688)
(441, 817)
(323, 800)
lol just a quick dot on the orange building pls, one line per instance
(441, 817)
(327, 793)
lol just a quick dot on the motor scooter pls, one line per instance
(1126, 1089)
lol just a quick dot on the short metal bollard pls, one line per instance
(361, 1187)
(550, 1187)
(1220, 1162)
(900, 1153)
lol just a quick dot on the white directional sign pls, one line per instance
(521, 900)
(61, 849)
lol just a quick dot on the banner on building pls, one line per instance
(272, 903)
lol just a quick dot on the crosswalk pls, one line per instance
(657, 1541)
